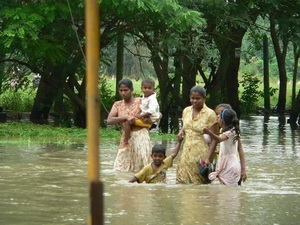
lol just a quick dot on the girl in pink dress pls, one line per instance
(229, 165)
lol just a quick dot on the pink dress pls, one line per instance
(229, 167)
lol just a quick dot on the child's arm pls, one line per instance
(133, 179)
(217, 138)
(175, 151)
(212, 145)
(242, 160)
(181, 133)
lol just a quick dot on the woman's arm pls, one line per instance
(113, 117)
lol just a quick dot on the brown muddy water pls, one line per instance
(47, 184)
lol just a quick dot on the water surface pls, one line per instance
(47, 184)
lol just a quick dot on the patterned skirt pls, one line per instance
(137, 155)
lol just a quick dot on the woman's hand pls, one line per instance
(181, 134)
(130, 119)
(206, 162)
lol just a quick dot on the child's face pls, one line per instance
(158, 158)
(218, 113)
(147, 89)
(219, 110)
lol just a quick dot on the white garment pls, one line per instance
(150, 105)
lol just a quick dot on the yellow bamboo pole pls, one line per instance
(92, 30)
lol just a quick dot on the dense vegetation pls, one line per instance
(215, 43)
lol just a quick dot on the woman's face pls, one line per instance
(125, 92)
(197, 100)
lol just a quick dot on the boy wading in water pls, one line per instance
(149, 107)
(155, 172)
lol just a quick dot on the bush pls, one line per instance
(251, 93)
(17, 100)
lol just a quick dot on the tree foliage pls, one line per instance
(188, 42)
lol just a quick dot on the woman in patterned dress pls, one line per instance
(132, 157)
(194, 119)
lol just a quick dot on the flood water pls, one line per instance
(47, 184)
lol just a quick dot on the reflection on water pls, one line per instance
(47, 184)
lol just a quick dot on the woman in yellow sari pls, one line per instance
(194, 119)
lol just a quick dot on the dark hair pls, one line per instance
(157, 148)
(224, 105)
(126, 82)
(148, 81)
(198, 89)
(230, 119)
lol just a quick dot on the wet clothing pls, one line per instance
(134, 157)
(229, 166)
(194, 146)
(148, 175)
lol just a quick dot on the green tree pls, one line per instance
(159, 25)
(41, 34)
(284, 20)
(227, 24)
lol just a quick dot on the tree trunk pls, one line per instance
(58, 107)
(120, 63)
(79, 116)
(280, 57)
(227, 73)
(46, 93)
(161, 69)
(188, 79)
(231, 91)
(77, 99)
(295, 113)
(295, 71)
(266, 74)
(176, 101)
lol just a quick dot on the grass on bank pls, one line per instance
(25, 132)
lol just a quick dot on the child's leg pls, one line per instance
(127, 131)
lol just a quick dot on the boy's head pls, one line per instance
(158, 154)
(148, 81)
(148, 86)
(159, 148)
